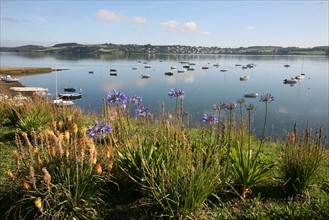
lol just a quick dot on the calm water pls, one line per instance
(305, 102)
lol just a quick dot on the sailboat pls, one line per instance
(59, 101)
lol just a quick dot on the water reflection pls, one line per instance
(305, 101)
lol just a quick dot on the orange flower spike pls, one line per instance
(25, 184)
(108, 152)
(80, 141)
(60, 125)
(67, 152)
(38, 203)
(10, 175)
(109, 167)
(16, 157)
(169, 115)
(98, 169)
(74, 128)
(67, 136)
(60, 137)
(94, 157)
(52, 151)
(37, 156)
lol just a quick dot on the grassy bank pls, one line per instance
(128, 162)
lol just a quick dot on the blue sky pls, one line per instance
(192, 23)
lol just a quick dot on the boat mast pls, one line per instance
(56, 86)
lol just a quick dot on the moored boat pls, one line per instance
(169, 73)
(251, 95)
(69, 89)
(70, 96)
(290, 81)
(244, 78)
(8, 79)
(300, 77)
(146, 76)
(61, 102)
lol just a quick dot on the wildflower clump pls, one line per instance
(59, 174)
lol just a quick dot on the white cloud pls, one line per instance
(138, 20)
(189, 26)
(174, 26)
(108, 15)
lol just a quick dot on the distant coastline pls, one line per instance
(108, 48)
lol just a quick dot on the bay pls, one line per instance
(305, 102)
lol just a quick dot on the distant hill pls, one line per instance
(108, 48)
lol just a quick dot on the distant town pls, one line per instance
(109, 48)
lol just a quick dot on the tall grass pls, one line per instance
(58, 176)
(66, 169)
(301, 159)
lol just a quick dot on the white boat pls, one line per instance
(8, 79)
(244, 78)
(146, 76)
(173, 67)
(61, 102)
(29, 89)
(290, 81)
(205, 67)
(147, 66)
(300, 77)
(70, 96)
(251, 95)
(224, 70)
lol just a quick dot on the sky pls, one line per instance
(192, 23)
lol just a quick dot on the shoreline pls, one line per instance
(20, 71)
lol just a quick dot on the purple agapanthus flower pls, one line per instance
(178, 93)
(266, 98)
(240, 100)
(219, 107)
(250, 107)
(212, 119)
(116, 97)
(230, 106)
(136, 99)
(97, 129)
(142, 111)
